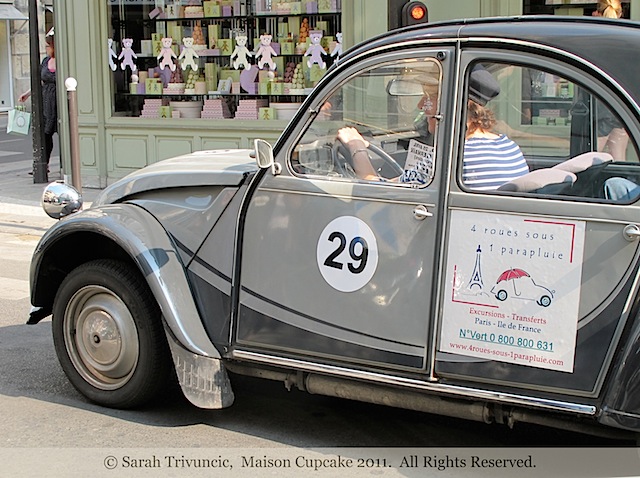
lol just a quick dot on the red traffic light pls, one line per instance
(418, 12)
(414, 13)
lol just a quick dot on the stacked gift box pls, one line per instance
(194, 11)
(249, 109)
(151, 108)
(216, 108)
(224, 8)
(286, 7)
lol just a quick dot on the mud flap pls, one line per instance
(204, 380)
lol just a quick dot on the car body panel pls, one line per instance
(369, 332)
(202, 168)
(187, 214)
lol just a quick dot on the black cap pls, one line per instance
(482, 86)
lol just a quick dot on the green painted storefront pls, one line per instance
(112, 146)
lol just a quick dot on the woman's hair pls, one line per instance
(609, 8)
(49, 40)
(479, 118)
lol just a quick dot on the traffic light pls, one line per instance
(414, 13)
(403, 13)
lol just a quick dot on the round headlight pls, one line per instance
(60, 200)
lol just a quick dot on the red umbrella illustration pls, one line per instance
(524, 290)
(512, 274)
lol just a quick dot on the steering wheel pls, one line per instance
(340, 149)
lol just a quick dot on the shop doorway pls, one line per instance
(6, 76)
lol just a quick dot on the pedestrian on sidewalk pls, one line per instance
(49, 103)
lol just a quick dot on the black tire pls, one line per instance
(502, 295)
(121, 359)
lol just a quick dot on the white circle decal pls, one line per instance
(347, 253)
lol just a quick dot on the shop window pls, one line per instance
(394, 108)
(567, 7)
(548, 135)
(219, 59)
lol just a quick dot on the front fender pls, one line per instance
(115, 231)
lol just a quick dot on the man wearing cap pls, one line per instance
(490, 159)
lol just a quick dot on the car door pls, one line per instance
(336, 268)
(539, 274)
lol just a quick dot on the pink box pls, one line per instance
(312, 7)
(226, 11)
(155, 12)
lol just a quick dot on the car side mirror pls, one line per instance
(264, 156)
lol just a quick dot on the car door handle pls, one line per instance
(631, 232)
(421, 213)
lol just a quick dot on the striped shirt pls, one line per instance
(490, 162)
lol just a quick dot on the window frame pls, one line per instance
(353, 71)
(590, 79)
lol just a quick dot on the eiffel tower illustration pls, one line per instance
(476, 275)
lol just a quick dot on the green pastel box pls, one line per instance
(277, 88)
(264, 88)
(153, 86)
(287, 48)
(267, 114)
(225, 45)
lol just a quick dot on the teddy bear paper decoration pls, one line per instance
(112, 55)
(265, 52)
(127, 55)
(337, 50)
(167, 55)
(315, 50)
(240, 54)
(188, 54)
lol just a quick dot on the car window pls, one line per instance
(545, 134)
(394, 108)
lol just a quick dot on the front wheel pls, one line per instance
(544, 301)
(108, 335)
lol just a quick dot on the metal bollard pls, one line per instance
(74, 137)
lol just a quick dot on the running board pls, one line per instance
(433, 387)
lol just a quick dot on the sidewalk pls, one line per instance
(20, 209)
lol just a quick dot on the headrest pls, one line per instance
(584, 161)
(538, 179)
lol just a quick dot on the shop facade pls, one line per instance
(141, 101)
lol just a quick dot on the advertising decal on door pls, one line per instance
(512, 289)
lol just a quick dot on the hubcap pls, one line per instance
(101, 337)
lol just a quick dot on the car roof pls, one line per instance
(611, 45)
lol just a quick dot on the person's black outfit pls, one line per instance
(49, 105)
